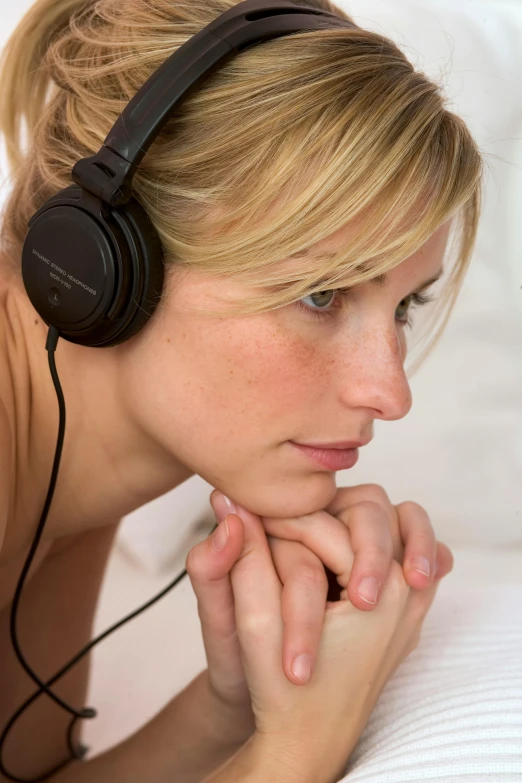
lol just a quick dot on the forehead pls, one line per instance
(428, 257)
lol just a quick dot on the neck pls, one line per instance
(110, 466)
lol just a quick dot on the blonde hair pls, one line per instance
(278, 149)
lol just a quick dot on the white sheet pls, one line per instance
(453, 710)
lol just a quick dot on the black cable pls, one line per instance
(87, 712)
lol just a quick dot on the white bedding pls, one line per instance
(453, 710)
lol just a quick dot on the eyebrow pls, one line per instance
(379, 280)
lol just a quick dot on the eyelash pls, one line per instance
(417, 300)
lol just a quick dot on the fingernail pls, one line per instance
(421, 564)
(222, 505)
(220, 537)
(301, 667)
(368, 589)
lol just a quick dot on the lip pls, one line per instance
(341, 444)
(331, 459)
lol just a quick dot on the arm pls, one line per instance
(184, 742)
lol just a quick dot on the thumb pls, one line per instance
(209, 573)
(210, 560)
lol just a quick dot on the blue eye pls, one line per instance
(413, 300)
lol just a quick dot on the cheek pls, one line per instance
(250, 368)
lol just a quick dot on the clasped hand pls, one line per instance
(355, 538)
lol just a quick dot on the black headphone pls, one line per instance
(92, 262)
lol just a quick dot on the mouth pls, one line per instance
(331, 458)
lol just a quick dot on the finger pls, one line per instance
(371, 542)
(326, 536)
(358, 548)
(444, 561)
(420, 600)
(351, 496)
(209, 573)
(257, 596)
(303, 602)
(419, 603)
(420, 544)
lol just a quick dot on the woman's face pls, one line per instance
(225, 395)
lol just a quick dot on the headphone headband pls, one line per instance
(133, 133)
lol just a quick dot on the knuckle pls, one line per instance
(379, 551)
(311, 575)
(375, 561)
(370, 506)
(255, 625)
(377, 493)
(413, 507)
(305, 626)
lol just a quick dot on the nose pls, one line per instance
(374, 375)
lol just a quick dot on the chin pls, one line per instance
(294, 498)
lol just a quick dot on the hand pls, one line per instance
(313, 729)
(358, 535)
(209, 572)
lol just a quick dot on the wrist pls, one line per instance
(298, 760)
(278, 761)
(258, 761)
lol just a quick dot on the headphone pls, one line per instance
(92, 261)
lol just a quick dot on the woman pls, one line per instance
(311, 163)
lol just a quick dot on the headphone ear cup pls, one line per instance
(93, 271)
(144, 251)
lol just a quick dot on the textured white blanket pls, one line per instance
(453, 710)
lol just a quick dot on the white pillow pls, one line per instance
(452, 712)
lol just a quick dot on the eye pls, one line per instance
(413, 300)
(328, 296)
(321, 298)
